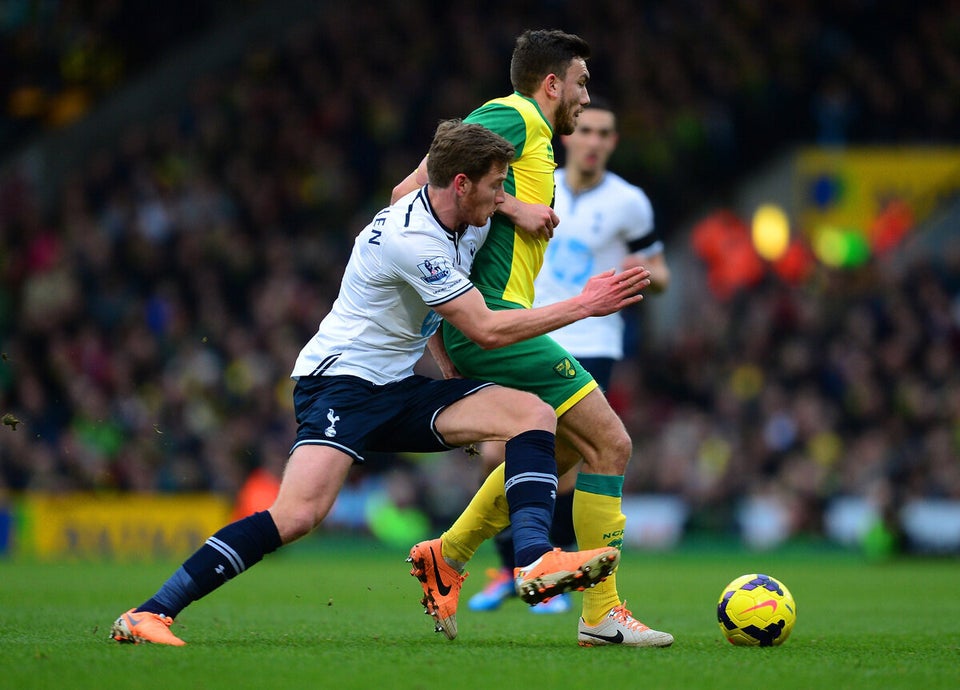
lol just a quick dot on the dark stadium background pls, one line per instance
(180, 184)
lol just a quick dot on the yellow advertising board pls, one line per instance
(850, 187)
(122, 526)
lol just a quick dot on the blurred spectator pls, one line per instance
(67, 55)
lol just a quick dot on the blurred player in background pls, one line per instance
(606, 222)
(356, 389)
(548, 71)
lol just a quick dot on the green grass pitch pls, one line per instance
(334, 613)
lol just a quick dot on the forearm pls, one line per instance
(603, 294)
(439, 353)
(508, 326)
(510, 207)
(408, 184)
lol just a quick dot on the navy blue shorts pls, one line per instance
(354, 415)
(600, 368)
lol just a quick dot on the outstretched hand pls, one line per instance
(609, 292)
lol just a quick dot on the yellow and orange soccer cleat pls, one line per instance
(556, 572)
(441, 585)
(144, 627)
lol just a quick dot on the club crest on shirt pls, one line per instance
(435, 270)
(565, 368)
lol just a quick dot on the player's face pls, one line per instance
(592, 142)
(573, 96)
(482, 198)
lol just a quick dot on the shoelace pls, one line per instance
(623, 616)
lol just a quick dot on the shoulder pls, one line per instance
(407, 227)
(512, 117)
(629, 194)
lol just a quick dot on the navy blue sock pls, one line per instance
(530, 481)
(226, 554)
(173, 596)
(531, 526)
(562, 533)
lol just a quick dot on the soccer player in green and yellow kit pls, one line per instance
(549, 75)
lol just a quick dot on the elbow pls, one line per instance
(487, 340)
(490, 343)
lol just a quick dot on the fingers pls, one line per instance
(632, 283)
(552, 221)
(635, 270)
(548, 227)
(633, 276)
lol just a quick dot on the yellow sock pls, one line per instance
(598, 521)
(486, 516)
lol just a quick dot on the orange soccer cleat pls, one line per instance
(556, 572)
(143, 626)
(441, 585)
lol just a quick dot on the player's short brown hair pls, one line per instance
(459, 147)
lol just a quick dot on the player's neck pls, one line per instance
(581, 181)
(443, 201)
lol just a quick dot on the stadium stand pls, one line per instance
(149, 317)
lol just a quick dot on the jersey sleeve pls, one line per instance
(423, 261)
(503, 120)
(640, 233)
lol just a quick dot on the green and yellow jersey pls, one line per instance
(508, 262)
(506, 265)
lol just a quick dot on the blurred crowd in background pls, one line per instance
(150, 319)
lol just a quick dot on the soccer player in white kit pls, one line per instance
(605, 222)
(356, 389)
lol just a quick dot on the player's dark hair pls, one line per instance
(540, 52)
(470, 149)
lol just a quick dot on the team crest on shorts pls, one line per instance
(565, 368)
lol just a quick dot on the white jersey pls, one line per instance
(597, 228)
(403, 263)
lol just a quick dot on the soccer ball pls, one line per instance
(756, 610)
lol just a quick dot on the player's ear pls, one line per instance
(551, 85)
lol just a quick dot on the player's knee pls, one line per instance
(621, 449)
(530, 412)
(296, 521)
(611, 456)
